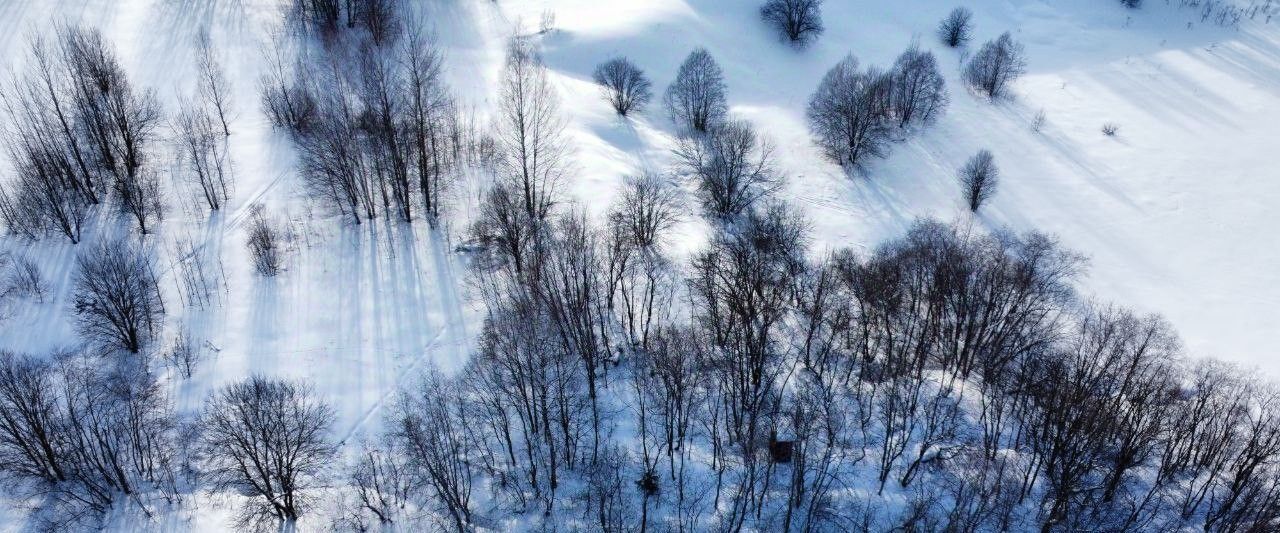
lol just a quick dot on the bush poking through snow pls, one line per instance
(625, 85)
(996, 65)
(695, 101)
(1037, 123)
(955, 29)
(117, 301)
(264, 243)
(800, 21)
(979, 178)
(1110, 129)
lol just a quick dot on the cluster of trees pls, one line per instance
(376, 127)
(80, 135)
(854, 112)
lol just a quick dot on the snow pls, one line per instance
(1175, 212)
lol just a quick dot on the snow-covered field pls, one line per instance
(1176, 212)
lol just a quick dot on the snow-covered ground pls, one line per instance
(1176, 212)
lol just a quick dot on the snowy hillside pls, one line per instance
(1174, 213)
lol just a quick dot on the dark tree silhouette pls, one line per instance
(798, 20)
(695, 101)
(979, 178)
(625, 85)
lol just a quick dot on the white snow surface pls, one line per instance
(1176, 213)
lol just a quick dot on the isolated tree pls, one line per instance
(117, 300)
(798, 20)
(919, 92)
(996, 65)
(268, 440)
(533, 154)
(955, 29)
(625, 85)
(848, 113)
(264, 243)
(211, 83)
(733, 167)
(695, 101)
(979, 178)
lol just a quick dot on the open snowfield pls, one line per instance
(1176, 213)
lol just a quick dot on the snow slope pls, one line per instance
(1175, 212)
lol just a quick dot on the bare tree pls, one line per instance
(533, 155)
(431, 430)
(31, 443)
(288, 97)
(432, 118)
(695, 101)
(733, 167)
(204, 153)
(996, 65)
(264, 243)
(955, 29)
(979, 178)
(625, 85)
(383, 482)
(798, 20)
(919, 93)
(847, 114)
(117, 300)
(119, 120)
(648, 208)
(269, 440)
(211, 83)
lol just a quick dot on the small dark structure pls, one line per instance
(780, 451)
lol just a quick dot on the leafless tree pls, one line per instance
(269, 440)
(211, 83)
(847, 113)
(264, 243)
(31, 443)
(431, 118)
(117, 300)
(533, 154)
(979, 178)
(119, 120)
(384, 484)
(996, 66)
(287, 93)
(955, 29)
(204, 153)
(695, 101)
(648, 208)
(919, 93)
(733, 167)
(625, 85)
(430, 429)
(798, 20)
